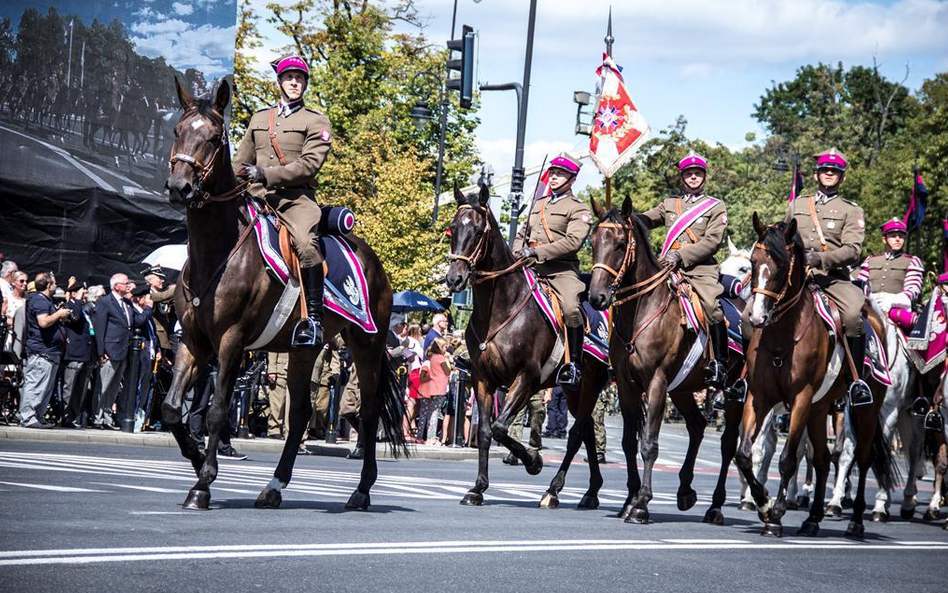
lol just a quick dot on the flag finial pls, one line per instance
(609, 39)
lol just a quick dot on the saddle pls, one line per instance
(875, 358)
(596, 323)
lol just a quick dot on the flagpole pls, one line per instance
(609, 40)
(69, 63)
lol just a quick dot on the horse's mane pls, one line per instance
(638, 228)
(775, 242)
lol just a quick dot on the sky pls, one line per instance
(189, 33)
(708, 61)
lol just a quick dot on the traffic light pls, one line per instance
(464, 66)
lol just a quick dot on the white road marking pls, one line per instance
(51, 488)
(103, 555)
(68, 157)
(143, 488)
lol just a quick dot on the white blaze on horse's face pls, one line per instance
(759, 313)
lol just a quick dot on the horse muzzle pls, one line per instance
(456, 279)
(601, 299)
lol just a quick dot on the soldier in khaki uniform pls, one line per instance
(696, 224)
(894, 277)
(833, 230)
(163, 299)
(554, 232)
(278, 413)
(283, 172)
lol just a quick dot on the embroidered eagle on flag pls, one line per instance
(618, 127)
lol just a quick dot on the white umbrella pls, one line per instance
(168, 256)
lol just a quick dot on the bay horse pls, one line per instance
(510, 345)
(789, 357)
(648, 347)
(225, 297)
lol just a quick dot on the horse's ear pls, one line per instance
(184, 97)
(222, 98)
(791, 231)
(484, 196)
(598, 210)
(731, 247)
(458, 196)
(758, 225)
(627, 206)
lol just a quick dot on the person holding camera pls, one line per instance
(45, 342)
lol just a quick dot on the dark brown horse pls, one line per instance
(648, 347)
(225, 297)
(789, 358)
(510, 346)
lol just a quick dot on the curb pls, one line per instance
(164, 439)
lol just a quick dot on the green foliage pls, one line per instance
(365, 78)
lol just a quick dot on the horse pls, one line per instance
(223, 299)
(510, 345)
(648, 347)
(789, 357)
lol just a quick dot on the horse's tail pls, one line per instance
(391, 407)
(883, 462)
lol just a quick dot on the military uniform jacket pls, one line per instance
(702, 239)
(304, 138)
(843, 226)
(557, 230)
(893, 273)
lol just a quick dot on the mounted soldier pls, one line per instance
(281, 153)
(894, 277)
(833, 230)
(551, 238)
(696, 225)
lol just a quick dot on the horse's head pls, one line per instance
(613, 246)
(200, 143)
(772, 263)
(470, 231)
(738, 265)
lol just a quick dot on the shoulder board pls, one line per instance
(851, 203)
(267, 108)
(807, 197)
(317, 112)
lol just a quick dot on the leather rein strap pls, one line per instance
(479, 250)
(643, 287)
(204, 172)
(781, 306)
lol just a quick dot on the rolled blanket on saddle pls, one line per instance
(336, 220)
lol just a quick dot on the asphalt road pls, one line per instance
(89, 517)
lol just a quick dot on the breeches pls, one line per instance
(300, 215)
(567, 287)
(849, 299)
(704, 281)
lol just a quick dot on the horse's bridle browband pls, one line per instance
(204, 172)
(780, 307)
(628, 258)
(480, 249)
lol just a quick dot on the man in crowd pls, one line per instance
(439, 328)
(278, 412)
(151, 352)
(80, 354)
(7, 270)
(44, 349)
(162, 302)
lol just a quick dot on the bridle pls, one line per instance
(480, 248)
(203, 172)
(780, 307)
(628, 259)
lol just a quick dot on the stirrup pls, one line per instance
(715, 375)
(569, 375)
(920, 406)
(859, 393)
(719, 402)
(934, 421)
(736, 393)
(306, 334)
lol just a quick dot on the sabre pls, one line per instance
(533, 200)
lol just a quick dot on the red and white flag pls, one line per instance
(618, 127)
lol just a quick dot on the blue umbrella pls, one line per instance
(409, 300)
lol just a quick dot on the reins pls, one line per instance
(204, 172)
(642, 287)
(479, 250)
(781, 307)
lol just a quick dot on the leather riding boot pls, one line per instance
(308, 332)
(859, 393)
(715, 373)
(570, 375)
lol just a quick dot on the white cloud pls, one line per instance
(207, 48)
(182, 9)
(161, 28)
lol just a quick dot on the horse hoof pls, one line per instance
(549, 501)
(855, 530)
(907, 514)
(268, 499)
(473, 499)
(638, 516)
(803, 501)
(687, 499)
(809, 529)
(748, 506)
(772, 530)
(536, 464)
(358, 502)
(834, 512)
(625, 512)
(930, 515)
(714, 517)
(589, 502)
(880, 517)
(197, 500)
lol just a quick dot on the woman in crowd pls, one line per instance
(409, 423)
(434, 388)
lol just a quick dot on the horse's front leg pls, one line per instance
(649, 447)
(633, 422)
(188, 362)
(695, 423)
(732, 419)
(755, 413)
(523, 386)
(299, 369)
(484, 395)
(789, 461)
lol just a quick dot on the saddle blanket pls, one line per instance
(731, 313)
(927, 343)
(875, 354)
(346, 290)
(596, 342)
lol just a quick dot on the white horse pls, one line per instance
(896, 413)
